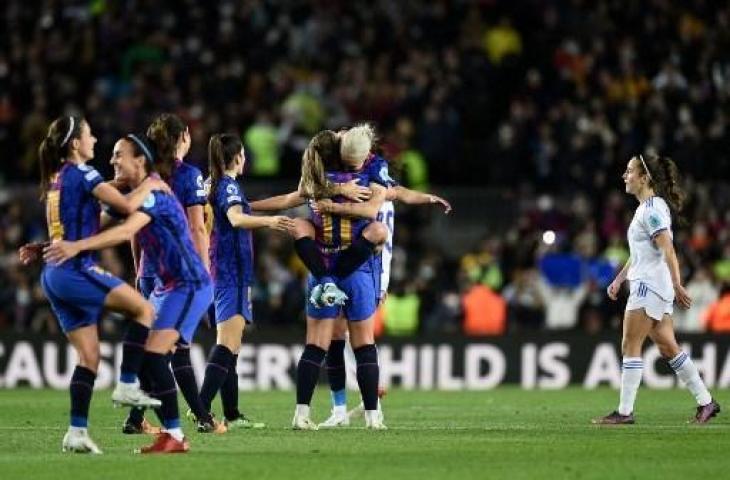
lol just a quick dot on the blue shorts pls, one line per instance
(232, 300)
(360, 288)
(77, 295)
(181, 308)
(146, 285)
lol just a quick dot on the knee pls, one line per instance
(376, 233)
(302, 228)
(89, 358)
(147, 314)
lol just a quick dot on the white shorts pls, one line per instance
(640, 296)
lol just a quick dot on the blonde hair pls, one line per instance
(357, 143)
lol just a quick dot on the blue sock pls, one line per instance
(81, 389)
(133, 351)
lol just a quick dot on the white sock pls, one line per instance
(687, 372)
(176, 433)
(631, 370)
(339, 410)
(71, 428)
(302, 411)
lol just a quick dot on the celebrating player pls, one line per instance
(231, 260)
(80, 290)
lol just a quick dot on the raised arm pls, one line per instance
(239, 219)
(59, 252)
(127, 204)
(279, 202)
(412, 197)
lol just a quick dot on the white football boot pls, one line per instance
(77, 440)
(130, 395)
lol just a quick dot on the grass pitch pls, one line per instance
(504, 433)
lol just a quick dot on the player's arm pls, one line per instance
(239, 219)
(59, 252)
(279, 202)
(127, 204)
(663, 241)
(412, 197)
(196, 220)
(367, 209)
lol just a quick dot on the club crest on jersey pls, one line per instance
(654, 221)
(231, 189)
(384, 175)
(149, 201)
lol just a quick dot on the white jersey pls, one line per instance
(386, 215)
(647, 261)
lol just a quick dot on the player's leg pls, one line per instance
(320, 322)
(336, 375)
(85, 341)
(126, 300)
(635, 330)
(662, 334)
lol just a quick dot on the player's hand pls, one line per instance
(436, 199)
(356, 193)
(613, 290)
(30, 252)
(682, 297)
(322, 206)
(282, 223)
(58, 252)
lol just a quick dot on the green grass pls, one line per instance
(505, 433)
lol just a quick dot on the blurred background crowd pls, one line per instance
(522, 113)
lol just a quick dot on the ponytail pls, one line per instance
(321, 154)
(664, 179)
(222, 149)
(54, 148)
(165, 131)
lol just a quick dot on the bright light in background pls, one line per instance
(548, 237)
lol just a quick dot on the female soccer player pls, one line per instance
(184, 290)
(171, 139)
(79, 291)
(655, 283)
(231, 261)
(332, 233)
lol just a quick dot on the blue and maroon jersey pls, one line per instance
(231, 249)
(186, 183)
(334, 233)
(72, 211)
(167, 244)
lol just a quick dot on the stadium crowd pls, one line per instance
(543, 101)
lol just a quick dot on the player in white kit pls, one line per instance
(335, 360)
(654, 285)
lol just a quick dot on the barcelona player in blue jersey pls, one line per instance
(171, 141)
(80, 290)
(231, 261)
(184, 290)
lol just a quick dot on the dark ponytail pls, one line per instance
(165, 132)
(664, 179)
(54, 148)
(222, 149)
